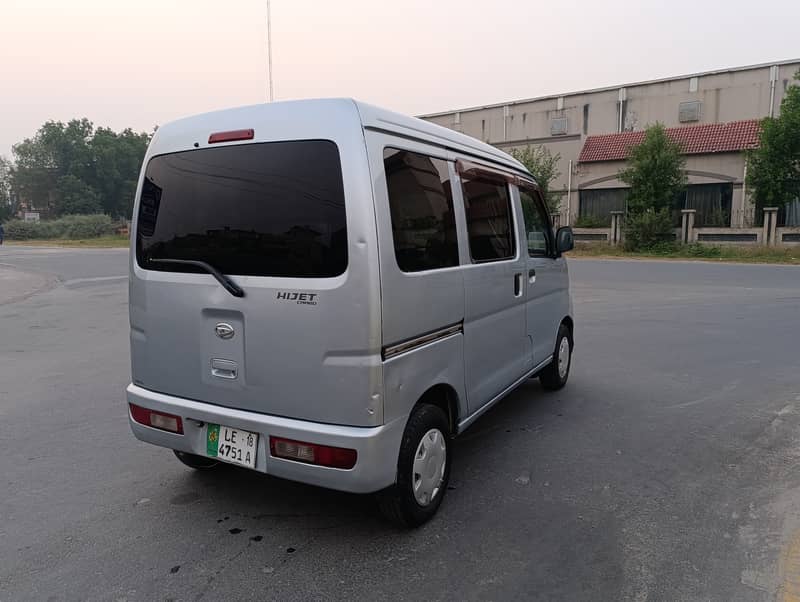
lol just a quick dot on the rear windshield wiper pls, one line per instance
(228, 284)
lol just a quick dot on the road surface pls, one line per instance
(666, 470)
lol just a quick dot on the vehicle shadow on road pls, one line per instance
(252, 496)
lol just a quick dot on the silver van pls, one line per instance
(329, 292)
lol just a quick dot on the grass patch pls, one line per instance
(100, 242)
(722, 253)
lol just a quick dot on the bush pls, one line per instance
(696, 249)
(70, 226)
(592, 221)
(86, 226)
(19, 230)
(649, 229)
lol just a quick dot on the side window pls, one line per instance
(537, 226)
(489, 223)
(421, 206)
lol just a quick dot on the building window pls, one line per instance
(421, 207)
(712, 203)
(693, 81)
(558, 126)
(689, 111)
(789, 214)
(489, 223)
(621, 112)
(596, 205)
(585, 119)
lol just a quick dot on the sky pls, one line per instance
(140, 63)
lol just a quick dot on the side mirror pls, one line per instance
(565, 241)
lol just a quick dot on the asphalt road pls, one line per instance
(666, 470)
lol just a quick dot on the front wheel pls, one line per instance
(555, 375)
(423, 469)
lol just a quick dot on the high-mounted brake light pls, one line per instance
(312, 453)
(231, 136)
(159, 420)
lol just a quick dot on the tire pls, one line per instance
(554, 376)
(196, 462)
(416, 496)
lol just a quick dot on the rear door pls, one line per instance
(496, 347)
(416, 220)
(279, 218)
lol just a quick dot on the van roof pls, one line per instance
(397, 123)
(370, 116)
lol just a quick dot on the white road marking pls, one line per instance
(96, 279)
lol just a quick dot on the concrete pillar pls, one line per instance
(770, 223)
(687, 225)
(739, 208)
(616, 227)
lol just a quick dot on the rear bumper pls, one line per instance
(377, 447)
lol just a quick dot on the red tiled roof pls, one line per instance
(695, 140)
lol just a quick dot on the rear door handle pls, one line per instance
(224, 368)
(518, 285)
(531, 275)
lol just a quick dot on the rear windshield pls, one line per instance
(269, 209)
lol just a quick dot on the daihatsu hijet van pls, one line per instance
(328, 292)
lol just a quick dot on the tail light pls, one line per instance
(312, 453)
(159, 420)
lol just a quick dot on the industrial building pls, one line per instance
(715, 115)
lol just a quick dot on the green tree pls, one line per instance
(70, 167)
(76, 197)
(773, 173)
(117, 159)
(544, 168)
(7, 208)
(55, 151)
(656, 176)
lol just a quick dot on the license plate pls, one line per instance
(231, 445)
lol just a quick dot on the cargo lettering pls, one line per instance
(298, 298)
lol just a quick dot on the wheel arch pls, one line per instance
(570, 324)
(445, 397)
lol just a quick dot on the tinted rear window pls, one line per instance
(421, 203)
(269, 209)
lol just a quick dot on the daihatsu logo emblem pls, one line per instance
(224, 331)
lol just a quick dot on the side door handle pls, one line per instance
(518, 284)
(532, 275)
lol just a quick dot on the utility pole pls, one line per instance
(269, 51)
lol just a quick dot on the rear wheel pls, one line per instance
(423, 469)
(555, 375)
(196, 462)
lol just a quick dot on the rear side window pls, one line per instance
(268, 209)
(421, 205)
(488, 208)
